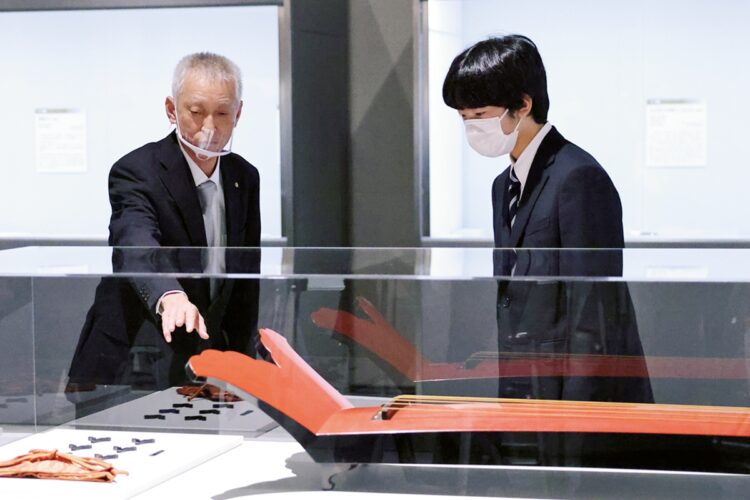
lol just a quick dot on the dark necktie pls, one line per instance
(514, 193)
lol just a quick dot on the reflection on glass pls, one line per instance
(638, 371)
(122, 342)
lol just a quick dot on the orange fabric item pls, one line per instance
(51, 464)
(207, 391)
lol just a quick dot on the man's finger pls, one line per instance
(166, 331)
(180, 319)
(170, 322)
(202, 332)
(190, 322)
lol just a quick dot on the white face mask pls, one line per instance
(204, 140)
(486, 136)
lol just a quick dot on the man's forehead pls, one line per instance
(199, 80)
(208, 89)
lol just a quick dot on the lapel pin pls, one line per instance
(236, 184)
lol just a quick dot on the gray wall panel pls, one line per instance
(384, 204)
(319, 123)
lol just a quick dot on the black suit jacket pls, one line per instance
(155, 204)
(569, 202)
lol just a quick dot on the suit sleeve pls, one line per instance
(600, 316)
(590, 216)
(590, 210)
(134, 223)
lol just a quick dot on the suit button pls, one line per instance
(506, 302)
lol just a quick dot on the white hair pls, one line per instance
(212, 66)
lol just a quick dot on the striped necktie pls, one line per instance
(514, 193)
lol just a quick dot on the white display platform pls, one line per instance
(243, 416)
(7, 437)
(280, 470)
(146, 469)
(257, 469)
(272, 465)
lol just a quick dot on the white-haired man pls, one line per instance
(186, 190)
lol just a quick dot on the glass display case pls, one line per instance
(492, 372)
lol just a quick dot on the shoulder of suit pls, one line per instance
(138, 162)
(143, 155)
(571, 157)
(242, 163)
(576, 167)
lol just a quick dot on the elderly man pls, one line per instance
(186, 190)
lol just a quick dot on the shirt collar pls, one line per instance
(199, 177)
(522, 166)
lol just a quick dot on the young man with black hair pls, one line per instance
(553, 196)
(563, 197)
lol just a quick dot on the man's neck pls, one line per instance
(526, 134)
(207, 166)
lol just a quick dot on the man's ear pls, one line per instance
(171, 110)
(528, 103)
(239, 112)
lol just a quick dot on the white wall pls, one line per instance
(116, 65)
(604, 61)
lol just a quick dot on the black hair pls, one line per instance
(498, 72)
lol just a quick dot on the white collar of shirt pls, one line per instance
(199, 177)
(522, 166)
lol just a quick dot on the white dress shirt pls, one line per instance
(199, 177)
(522, 165)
